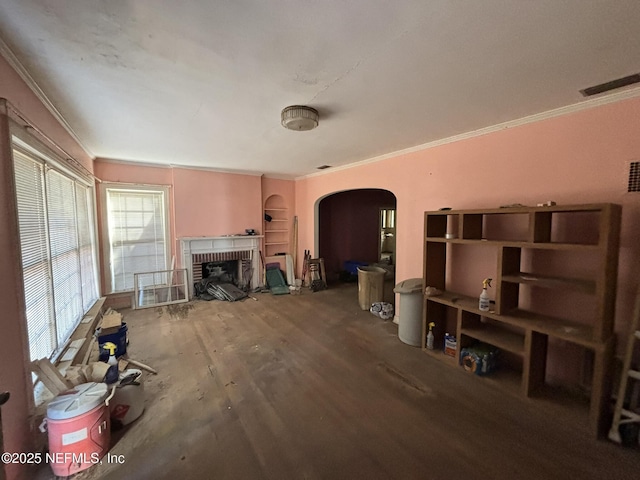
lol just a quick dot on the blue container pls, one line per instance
(352, 266)
(119, 339)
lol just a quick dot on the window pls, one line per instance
(55, 217)
(137, 232)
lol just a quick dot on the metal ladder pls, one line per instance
(620, 414)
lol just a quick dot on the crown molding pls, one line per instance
(137, 163)
(22, 72)
(604, 99)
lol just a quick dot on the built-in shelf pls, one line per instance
(499, 337)
(276, 230)
(581, 334)
(546, 281)
(507, 243)
(514, 324)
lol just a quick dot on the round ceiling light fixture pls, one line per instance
(299, 117)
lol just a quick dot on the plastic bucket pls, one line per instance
(370, 286)
(128, 401)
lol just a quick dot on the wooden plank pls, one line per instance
(50, 376)
(547, 281)
(498, 337)
(72, 350)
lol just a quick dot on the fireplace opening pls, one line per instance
(224, 271)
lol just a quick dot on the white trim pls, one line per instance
(605, 99)
(135, 163)
(231, 243)
(22, 72)
(104, 214)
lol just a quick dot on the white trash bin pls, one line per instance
(410, 318)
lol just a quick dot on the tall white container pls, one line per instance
(410, 318)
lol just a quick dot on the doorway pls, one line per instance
(350, 229)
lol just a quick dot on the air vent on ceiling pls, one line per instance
(612, 85)
(322, 167)
(634, 177)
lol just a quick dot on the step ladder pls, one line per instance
(621, 415)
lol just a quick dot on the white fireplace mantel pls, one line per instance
(230, 243)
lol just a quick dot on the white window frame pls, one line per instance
(37, 152)
(106, 245)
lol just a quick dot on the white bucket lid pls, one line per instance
(76, 401)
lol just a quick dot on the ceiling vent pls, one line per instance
(300, 118)
(612, 85)
(634, 177)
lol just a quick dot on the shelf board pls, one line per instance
(591, 207)
(498, 337)
(509, 243)
(275, 231)
(440, 356)
(546, 281)
(276, 243)
(553, 326)
(276, 209)
(279, 220)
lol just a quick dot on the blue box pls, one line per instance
(352, 266)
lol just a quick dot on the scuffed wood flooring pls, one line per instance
(310, 387)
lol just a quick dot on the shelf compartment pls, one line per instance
(552, 326)
(547, 281)
(496, 336)
(439, 355)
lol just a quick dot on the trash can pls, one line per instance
(370, 286)
(410, 319)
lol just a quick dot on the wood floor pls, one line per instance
(310, 386)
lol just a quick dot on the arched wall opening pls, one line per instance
(349, 227)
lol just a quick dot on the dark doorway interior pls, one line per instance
(349, 227)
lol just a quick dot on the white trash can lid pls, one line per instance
(76, 401)
(411, 285)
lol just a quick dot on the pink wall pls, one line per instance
(211, 203)
(202, 203)
(18, 433)
(576, 158)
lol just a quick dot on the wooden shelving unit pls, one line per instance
(512, 325)
(276, 232)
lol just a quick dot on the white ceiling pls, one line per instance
(202, 82)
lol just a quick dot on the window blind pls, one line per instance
(137, 234)
(65, 259)
(58, 252)
(34, 242)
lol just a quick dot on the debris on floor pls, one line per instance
(211, 288)
(382, 310)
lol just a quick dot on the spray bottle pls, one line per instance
(483, 304)
(112, 374)
(430, 336)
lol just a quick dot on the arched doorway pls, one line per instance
(356, 226)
